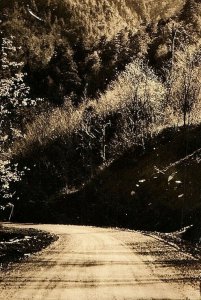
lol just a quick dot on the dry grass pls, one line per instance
(137, 93)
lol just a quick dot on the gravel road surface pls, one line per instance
(88, 263)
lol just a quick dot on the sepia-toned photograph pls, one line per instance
(100, 149)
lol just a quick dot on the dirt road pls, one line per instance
(94, 263)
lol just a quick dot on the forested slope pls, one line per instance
(83, 83)
(64, 44)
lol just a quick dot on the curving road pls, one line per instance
(94, 263)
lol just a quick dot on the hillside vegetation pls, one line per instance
(94, 18)
(64, 44)
(84, 83)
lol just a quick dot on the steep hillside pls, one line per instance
(156, 188)
(87, 89)
(95, 18)
(75, 48)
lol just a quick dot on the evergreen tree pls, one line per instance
(63, 76)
